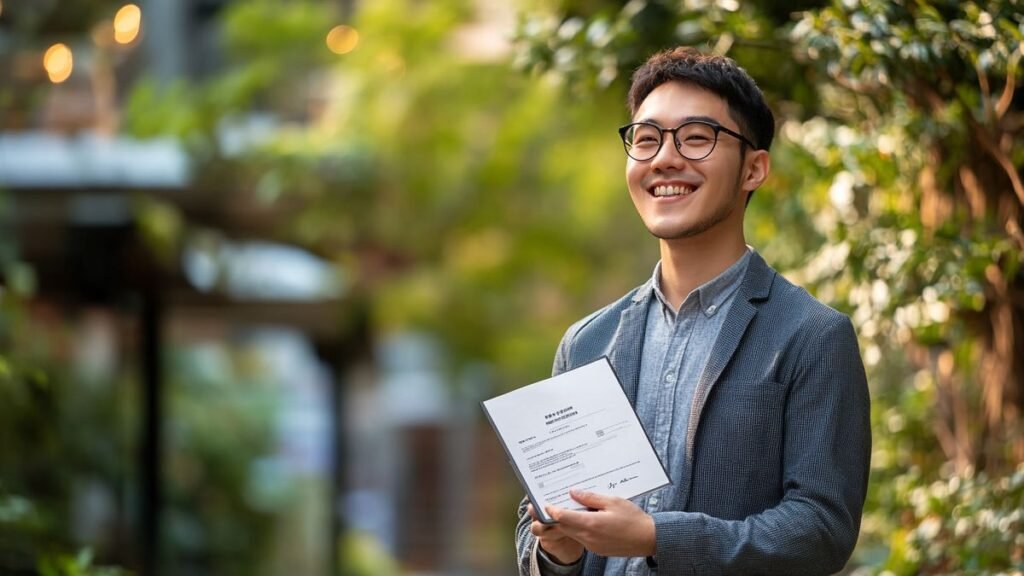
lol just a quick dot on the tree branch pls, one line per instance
(1011, 85)
(992, 147)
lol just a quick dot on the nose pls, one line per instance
(668, 157)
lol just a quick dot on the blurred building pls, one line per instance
(223, 351)
(252, 418)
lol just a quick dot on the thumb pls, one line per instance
(591, 500)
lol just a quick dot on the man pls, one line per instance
(753, 393)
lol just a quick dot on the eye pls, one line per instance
(646, 135)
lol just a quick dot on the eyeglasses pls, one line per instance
(694, 139)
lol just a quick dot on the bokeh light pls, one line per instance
(58, 62)
(342, 39)
(127, 22)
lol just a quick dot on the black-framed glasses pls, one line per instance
(695, 139)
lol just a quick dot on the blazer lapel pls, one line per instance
(628, 345)
(755, 286)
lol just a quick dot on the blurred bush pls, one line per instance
(78, 565)
(958, 524)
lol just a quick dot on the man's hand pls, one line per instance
(611, 527)
(553, 540)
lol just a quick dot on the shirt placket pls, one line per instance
(671, 365)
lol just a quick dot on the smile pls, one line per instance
(660, 191)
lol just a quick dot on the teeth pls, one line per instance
(672, 190)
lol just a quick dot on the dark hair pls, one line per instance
(718, 74)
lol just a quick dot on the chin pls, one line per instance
(679, 231)
(668, 230)
(665, 233)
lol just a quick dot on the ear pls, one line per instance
(755, 170)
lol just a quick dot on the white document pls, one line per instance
(575, 430)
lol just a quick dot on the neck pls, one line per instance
(687, 263)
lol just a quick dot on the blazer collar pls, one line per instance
(643, 292)
(629, 337)
(757, 282)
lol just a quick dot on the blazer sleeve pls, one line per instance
(526, 543)
(826, 451)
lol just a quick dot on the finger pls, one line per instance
(568, 519)
(593, 500)
(547, 531)
(534, 514)
(538, 529)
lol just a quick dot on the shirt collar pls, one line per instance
(713, 293)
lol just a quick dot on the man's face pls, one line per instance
(712, 199)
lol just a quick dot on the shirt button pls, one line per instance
(712, 308)
(654, 500)
(670, 377)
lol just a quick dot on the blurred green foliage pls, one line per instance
(957, 524)
(78, 565)
(45, 460)
(361, 555)
(220, 425)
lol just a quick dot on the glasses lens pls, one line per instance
(643, 141)
(696, 140)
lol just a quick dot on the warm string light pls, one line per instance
(127, 23)
(342, 39)
(58, 62)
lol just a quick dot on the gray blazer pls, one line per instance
(779, 440)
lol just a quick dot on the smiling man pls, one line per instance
(752, 392)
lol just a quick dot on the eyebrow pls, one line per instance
(683, 121)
